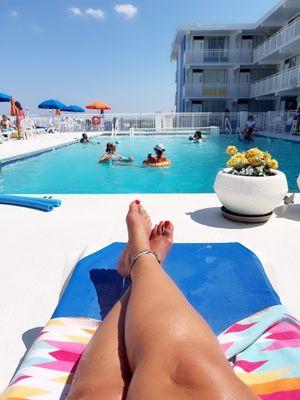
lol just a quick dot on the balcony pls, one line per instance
(216, 90)
(283, 81)
(282, 44)
(218, 56)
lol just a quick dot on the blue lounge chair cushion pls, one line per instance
(225, 282)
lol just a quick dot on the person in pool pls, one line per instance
(112, 155)
(84, 138)
(198, 137)
(249, 129)
(153, 344)
(159, 156)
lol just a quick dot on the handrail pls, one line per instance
(221, 56)
(277, 73)
(275, 37)
(276, 82)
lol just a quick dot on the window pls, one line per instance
(216, 42)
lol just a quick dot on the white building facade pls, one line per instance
(254, 67)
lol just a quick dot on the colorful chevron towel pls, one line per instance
(264, 351)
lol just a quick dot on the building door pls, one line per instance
(197, 106)
(247, 42)
(245, 76)
(197, 76)
(198, 42)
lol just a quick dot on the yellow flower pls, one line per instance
(237, 161)
(255, 157)
(267, 156)
(273, 164)
(231, 150)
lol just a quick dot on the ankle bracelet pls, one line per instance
(140, 253)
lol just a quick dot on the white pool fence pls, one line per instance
(166, 123)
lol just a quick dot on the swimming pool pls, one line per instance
(75, 169)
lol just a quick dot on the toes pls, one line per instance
(154, 232)
(134, 205)
(160, 228)
(168, 229)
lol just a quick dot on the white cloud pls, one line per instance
(13, 13)
(75, 12)
(127, 10)
(95, 13)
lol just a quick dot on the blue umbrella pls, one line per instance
(4, 97)
(73, 109)
(52, 105)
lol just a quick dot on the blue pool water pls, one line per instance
(75, 168)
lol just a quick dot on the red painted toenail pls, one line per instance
(167, 223)
(137, 202)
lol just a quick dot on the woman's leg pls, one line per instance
(103, 371)
(172, 352)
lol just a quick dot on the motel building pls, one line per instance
(247, 67)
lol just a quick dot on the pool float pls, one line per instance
(96, 120)
(117, 160)
(159, 164)
(43, 204)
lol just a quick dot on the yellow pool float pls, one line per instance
(160, 164)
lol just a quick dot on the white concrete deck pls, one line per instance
(35, 247)
(285, 136)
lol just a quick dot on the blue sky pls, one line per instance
(118, 52)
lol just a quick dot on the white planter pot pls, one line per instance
(251, 195)
(298, 182)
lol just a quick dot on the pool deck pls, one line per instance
(38, 249)
(284, 136)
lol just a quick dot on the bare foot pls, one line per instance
(139, 229)
(161, 240)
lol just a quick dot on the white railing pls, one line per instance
(280, 122)
(218, 56)
(173, 123)
(281, 38)
(213, 90)
(174, 131)
(284, 80)
(147, 122)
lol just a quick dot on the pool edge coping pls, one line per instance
(36, 153)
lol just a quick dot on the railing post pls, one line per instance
(243, 117)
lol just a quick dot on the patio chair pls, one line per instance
(28, 127)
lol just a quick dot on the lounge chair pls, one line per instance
(225, 282)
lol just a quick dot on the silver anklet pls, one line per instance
(138, 254)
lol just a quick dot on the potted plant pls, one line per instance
(252, 184)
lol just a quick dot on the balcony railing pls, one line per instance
(284, 80)
(219, 90)
(281, 38)
(218, 56)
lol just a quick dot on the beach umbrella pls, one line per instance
(52, 105)
(4, 97)
(98, 105)
(74, 109)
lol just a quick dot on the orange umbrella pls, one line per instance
(98, 105)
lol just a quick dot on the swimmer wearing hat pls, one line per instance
(160, 155)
